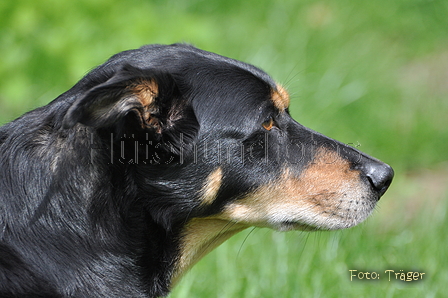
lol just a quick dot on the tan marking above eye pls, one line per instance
(268, 124)
(280, 98)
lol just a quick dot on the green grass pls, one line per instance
(370, 73)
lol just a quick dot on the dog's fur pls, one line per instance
(121, 184)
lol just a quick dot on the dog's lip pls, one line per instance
(296, 226)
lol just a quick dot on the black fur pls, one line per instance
(93, 196)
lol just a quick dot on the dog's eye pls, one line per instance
(268, 124)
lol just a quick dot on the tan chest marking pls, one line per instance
(200, 236)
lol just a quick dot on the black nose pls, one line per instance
(379, 175)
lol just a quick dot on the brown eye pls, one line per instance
(268, 124)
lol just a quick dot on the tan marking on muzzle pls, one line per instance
(326, 195)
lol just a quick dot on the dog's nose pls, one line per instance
(379, 175)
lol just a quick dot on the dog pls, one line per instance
(121, 184)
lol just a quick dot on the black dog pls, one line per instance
(121, 184)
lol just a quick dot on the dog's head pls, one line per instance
(213, 148)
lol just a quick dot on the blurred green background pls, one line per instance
(370, 73)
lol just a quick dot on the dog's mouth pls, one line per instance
(344, 214)
(294, 226)
(323, 212)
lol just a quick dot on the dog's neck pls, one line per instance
(199, 237)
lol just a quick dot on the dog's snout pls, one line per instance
(379, 174)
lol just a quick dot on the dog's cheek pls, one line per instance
(211, 187)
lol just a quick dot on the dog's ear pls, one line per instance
(138, 100)
(151, 95)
